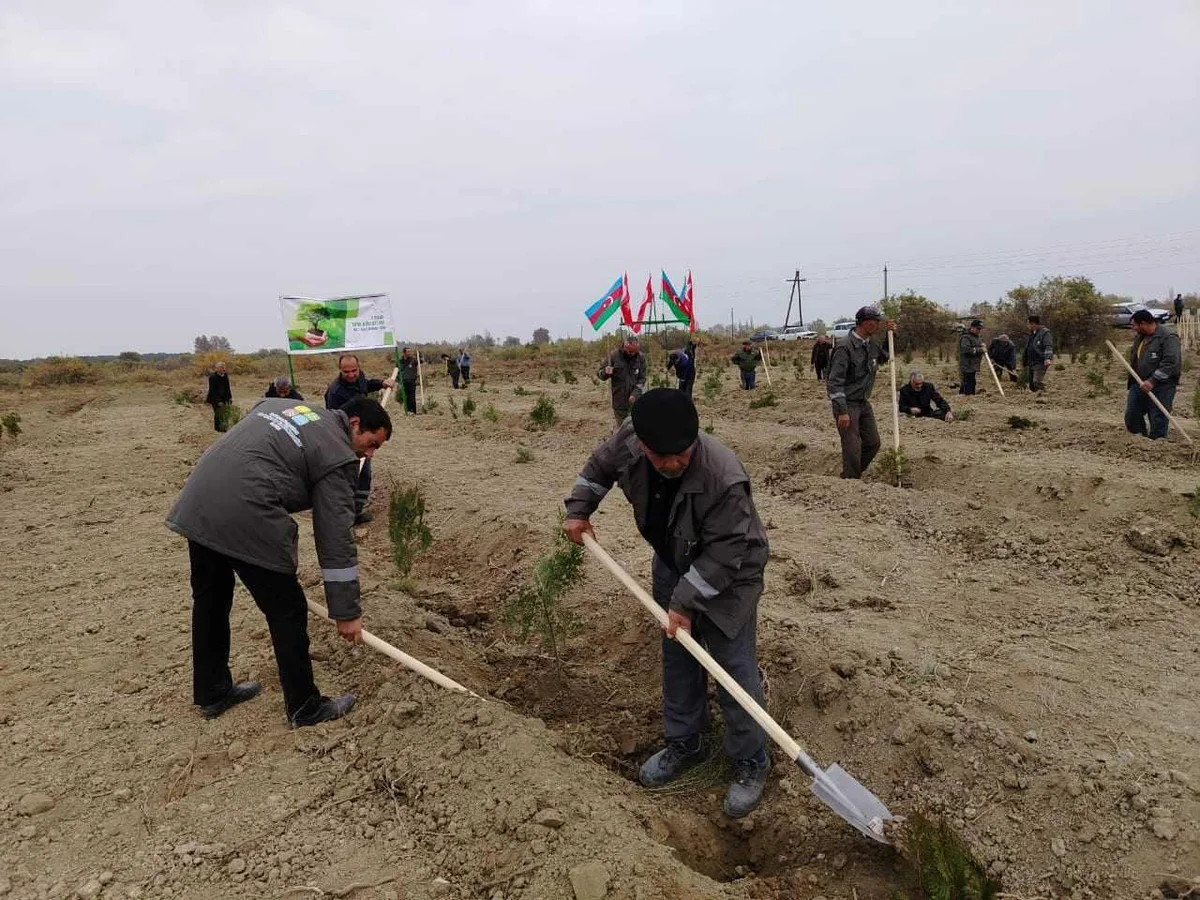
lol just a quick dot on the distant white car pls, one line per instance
(796, 333)
(841, 329)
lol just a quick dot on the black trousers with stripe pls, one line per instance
(281, 600)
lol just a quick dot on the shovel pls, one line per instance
(833, 786)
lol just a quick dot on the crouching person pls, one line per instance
(691, 502)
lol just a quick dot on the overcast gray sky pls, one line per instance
(170, 168)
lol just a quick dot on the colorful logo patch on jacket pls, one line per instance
(301, 415)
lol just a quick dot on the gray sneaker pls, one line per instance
(749, 779)
(669, 763)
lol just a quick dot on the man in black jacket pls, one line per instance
(410, 374)
(219, 393)
(1003, 354)
(921, 399)
(820, 355)
(351, 383)
(1155, 356)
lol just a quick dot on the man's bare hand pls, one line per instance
(351, 630)
(949, 417)
(843, 421)
(914, 410)
(1148, 385)
(891, 325)
(608, 370)
(575, 529)
(389, 382)
(677, 620)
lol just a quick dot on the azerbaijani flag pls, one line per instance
(689, 302)
(670, 297)
(602, 310)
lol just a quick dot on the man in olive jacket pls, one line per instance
(970, 353)
(691, 502)
(235, 510)
(625, 368)
(746, 360)
(1155, 356)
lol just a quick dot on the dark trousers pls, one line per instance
(466, 375)
(1178, 316)
(686, 385)
(217, 416)
(821, 371)
(362, 493)
(1037, 377)
(281, 600)
(1139, 407)
(410, 397)
(685, 683)
(860, 442)
(454, 379)
(967, 388)
(748, 379)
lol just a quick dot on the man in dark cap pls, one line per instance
(1039, 353)
(625, 369)
(851, 377)
(685, 369)
(970, 352)
(691, 502)
(1155, 356)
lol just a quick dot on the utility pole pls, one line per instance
(794, 293)
(731, 329)
(885, 293)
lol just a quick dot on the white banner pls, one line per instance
(335, 325)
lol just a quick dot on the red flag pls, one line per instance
(648, 301)
(688, 299)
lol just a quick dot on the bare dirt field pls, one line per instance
(1011, 642)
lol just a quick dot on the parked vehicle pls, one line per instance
(765, 335)
(841, 329)
(1123, 312)
(796, 333)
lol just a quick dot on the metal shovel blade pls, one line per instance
(838, 790)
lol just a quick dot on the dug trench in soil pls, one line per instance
(604, 697)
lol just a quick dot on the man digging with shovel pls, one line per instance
(691, 502)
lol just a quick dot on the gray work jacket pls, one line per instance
(717, 541)
(1159, 356)
(852, 368)
(1039, 347)
(284, 457)
(970, 352)
(628, 377)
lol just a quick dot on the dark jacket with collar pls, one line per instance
(339, 393)
(1039, 347)
(282, 458)
(1156, 356)
(718, 542)
(682, 364)
(852, 368)
(926, 399)
(1003, 353)
(970, 352)
(409, 369)
(628, 376)
(218, 389)
(820, 354)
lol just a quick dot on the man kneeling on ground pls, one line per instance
(235, 510)
(920, 398)
(691, 502)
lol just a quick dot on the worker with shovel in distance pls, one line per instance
(692, 503)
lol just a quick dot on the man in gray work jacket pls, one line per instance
(851, 377)
(626, 369)
(282, 458)
(691, 502)
(1039, 353)
(970, 352)
(1155, 356)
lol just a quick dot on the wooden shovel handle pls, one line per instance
(748, 703)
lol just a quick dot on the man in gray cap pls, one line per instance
(691, 502)
(1156, 357)
(1003, 354)
(970, 352)
(851, 377)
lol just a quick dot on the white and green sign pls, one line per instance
(337, 324)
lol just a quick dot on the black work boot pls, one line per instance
(749, 779)
(363, 518)
(240, 692)
(323, 709)
(670, 762)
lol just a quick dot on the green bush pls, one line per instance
(11, 423)
(935, 863)
(552, 376)
(712, 386)
(965, 415)
(520, 391)
(524, 455)
(894, 464)
(536, 609)
(490, 413)
(228, 415)
(543, 415)
(468, 407)
(406, 526)
(430, 404)
(188, 397)
(767, 399)
(1019, 422)
(569, 376)
(1096, 379)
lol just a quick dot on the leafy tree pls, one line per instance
(541, 336)
(1077, 316)
(922, 324)
(818, 325)
(204, 344)
(129, 356)
(201, 344)
(512, 341)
